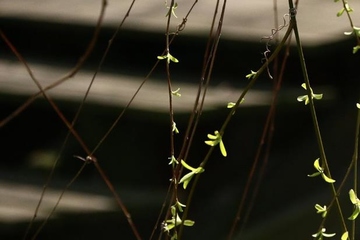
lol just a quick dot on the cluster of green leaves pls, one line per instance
(169, 58)
(305, 98)
(320, 171)
(215, 140)
(175, 220)
(187, 177)
(356, 202)
(322, 233)
(355, 30)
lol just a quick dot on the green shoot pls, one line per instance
(320, 171)
(216, 139)
(176, 221)
(306, 97)
(319, 235)
(169, 58)
(187, 178)
(174, 128)
(251, 75)
(356, 202)
(176, 92)
(173, 160)
(172, 10)
(345, 236)
(322, 210)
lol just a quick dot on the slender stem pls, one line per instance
(232, 112)
(312, 109)
(355, 162)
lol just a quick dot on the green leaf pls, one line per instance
(231, 104)
(314, 174)
(345, 236)
(354, 214)
(222, 149)
(329, 234)
(189, 223)
(339, 13)
(173, 160)
(317, 165)
(356, 202)
(174, 128)
(187, 166)
(357, 31)
(172, 10)
(321, 210)
(318, 96)
(322, 233)
(210, 136)
(251, 75)
(173, 59)
(186, 179)
(169, 58)
(356, 48)
(353, 197)
(320, 172)
(303, 98)
(348, 8)
(327, 179)
(180, 206)
(306, 97)
(176, 92)
(210, 143)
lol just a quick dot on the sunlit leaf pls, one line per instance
(354, 200)
(318, 96)
(345, 236)
(175, 60)
(354, 214)
(327, 179)
(180, 206)
(174, 128)
(173, 160)
(176, 92)
(251, 75)
(329, 234)
(189, 223)
(186, 179)
(222, 149)
(187, 166)
(210, 136)
(317, 165)
(231, 105)
(210, 143)
(306, 97)
(353, 197)
(321, 210)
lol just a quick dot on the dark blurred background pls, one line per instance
(52, 36)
